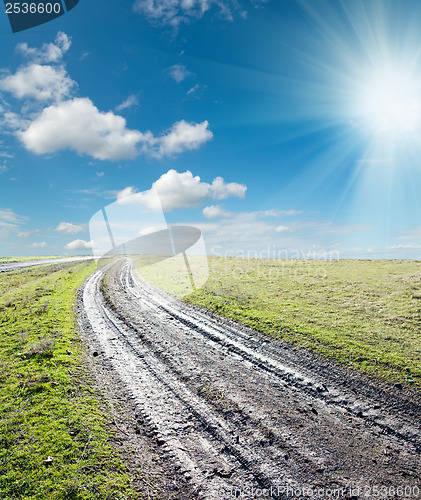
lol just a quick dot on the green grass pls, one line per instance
(47, 405)
(170, 273)
(365, 314)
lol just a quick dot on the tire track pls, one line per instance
(237, 412)
(15, 266)
(208, 452)
(249, 348)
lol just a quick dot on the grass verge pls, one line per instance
(365, 314)
(54, 438)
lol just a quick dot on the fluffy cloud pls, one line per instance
(181, 190)
(126, 193)
(219, 189)
(40, 82)
(178, 72)
(78, 244)
(14, 121)
(49, 52)
(182, 136)
(68, 228)
(215, 212)
(128, 103)
(43, 244)
(78, 125)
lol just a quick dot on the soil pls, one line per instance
(15, 266)
(211, 409)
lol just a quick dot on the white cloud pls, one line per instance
(193, 89)
(128, 103)
(253, 234)
(178, 72)
(282, 229)
(78, 244)
(182, 136)
(215, 212)
(43, 244)
(37, 79)
(9, 219)
(172, 12)
(27, 233)
(404, 246)
(126, 193)
(219, 189)
(411, 241)
(177, 12)
(78, 125)
(14, 121)
(181, 190)
(68, 228)
(41, 82)
(49, 52)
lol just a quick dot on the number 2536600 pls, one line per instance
(33, 8)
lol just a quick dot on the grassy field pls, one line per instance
(366, 314)
(47, 406)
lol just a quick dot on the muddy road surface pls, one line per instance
(15, 266)
(234, 414)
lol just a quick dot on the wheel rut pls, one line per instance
(240, 414)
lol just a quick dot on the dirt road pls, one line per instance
(15, 266)
(238, 415)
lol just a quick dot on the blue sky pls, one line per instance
(286, 127)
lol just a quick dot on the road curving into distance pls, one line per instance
(237, 414)
(15, 266)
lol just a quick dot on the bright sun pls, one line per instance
(392, 104)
